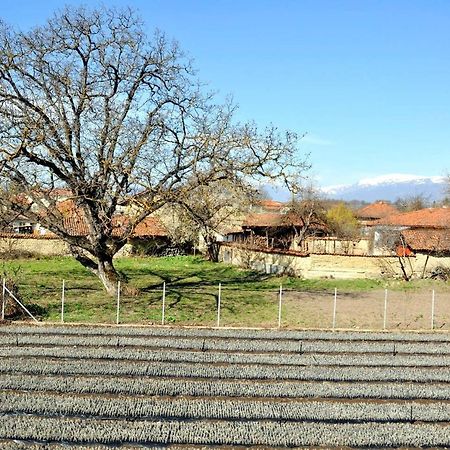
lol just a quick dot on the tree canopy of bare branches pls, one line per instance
(89, 103)
(214, 210)
(308, 207)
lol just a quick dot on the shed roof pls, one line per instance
(376, 210)
(271, 220)
(428, 239)
(423, 218)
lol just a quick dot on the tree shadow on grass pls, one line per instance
(201, 281)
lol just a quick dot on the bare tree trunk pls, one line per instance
(402, 266)
(212, 248)
(108, 275)
(103, 267)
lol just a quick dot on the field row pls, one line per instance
(174, 387)
(274, 359)
(107, 406)
(222, 432)
(14, 444)
(233, 333)
(34, 365)
(228, 344)
(202, 389)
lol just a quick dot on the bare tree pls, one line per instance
(446, 196)
(213, 209)
(89, 104)
(307, 214)
(412, 203)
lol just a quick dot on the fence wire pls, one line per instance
(241, 306)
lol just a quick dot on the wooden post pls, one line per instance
(279, 306)
(118, 303)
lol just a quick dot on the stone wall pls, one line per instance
(331, 245)
(34, 245)
(42, 246)
(331, 266)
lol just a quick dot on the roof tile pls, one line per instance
(423, 218)
(437, 240)
(376, 210)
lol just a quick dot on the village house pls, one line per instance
(29, 236)
(413, 244)
(423, 231)
(375, 211)
(367, 218)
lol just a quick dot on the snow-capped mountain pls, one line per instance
(389, 187)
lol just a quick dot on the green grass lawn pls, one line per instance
(192, 285)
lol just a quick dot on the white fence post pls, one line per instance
(279, 306)
(118, 302)
(63, 298)
(334, 308)
(218, 304)
(432, 309)
(385, 309)
(3, 300)
(163, 314)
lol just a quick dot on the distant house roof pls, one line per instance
(270, 204)
(434, 240)
(424, 218)
(376, 210)
(271, 220)
(150, 227)
(75, 224)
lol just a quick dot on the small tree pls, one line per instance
(343, 222)
(446, 199)
(89, 104)
(412, 203)
(307, 214)
(210, 210)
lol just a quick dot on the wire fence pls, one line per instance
(224, 305)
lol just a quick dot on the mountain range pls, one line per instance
(385, 187)
(390, 187)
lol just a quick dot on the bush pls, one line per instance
(441, 273)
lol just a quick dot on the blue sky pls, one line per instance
(368, 81)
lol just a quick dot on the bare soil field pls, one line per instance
(405, 310)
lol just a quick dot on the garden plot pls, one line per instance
(91, 387)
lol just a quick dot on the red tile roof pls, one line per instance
(376, 210)
(424, 218)
(150, 226)
(75, 223)
(270, 204)
(271, 220)
(437, 240)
